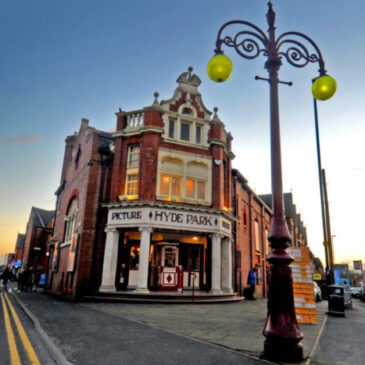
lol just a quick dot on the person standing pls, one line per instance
(6, 276)
(251, 281)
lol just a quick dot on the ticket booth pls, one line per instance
(169, 267)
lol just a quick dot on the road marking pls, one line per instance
(14, 355)
(24, 337)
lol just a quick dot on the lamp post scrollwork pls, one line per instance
(281, 330)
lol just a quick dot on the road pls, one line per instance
(20, 343)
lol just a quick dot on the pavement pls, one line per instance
(120, 333)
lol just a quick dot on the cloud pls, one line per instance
(25, 138)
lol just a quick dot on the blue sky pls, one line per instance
(61, 61)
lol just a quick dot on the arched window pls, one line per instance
(70, 219)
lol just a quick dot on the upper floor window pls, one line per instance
(132, 184)
(198, 134)
(171, 129)
(185, 131)
(257, 236)
(187, 111)
(133, 156)
(70, 220)
(170, 185)
(195, 189)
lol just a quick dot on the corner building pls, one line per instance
(170, 205)
(148, 207)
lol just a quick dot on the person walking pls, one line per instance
(6, 276)
(251, 281)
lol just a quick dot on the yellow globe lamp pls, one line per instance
(219, 68)
(324, 88)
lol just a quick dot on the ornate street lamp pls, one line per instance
(281, 329)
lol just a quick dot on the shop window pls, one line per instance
(70, 219)
(134, 257)
(198, 134)
(170, 185)
(132, 184)
(133, 156)
(171, 129)
(185, 131)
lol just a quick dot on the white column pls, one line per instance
(144, 260)
(216, 264)
(227, 265)
(110, 260)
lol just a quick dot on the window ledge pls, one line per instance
(65, 244)
(128, 197)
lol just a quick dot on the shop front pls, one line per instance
(159, 249)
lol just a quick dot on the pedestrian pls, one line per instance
(22, 277)
(6, 276)
(251, 282)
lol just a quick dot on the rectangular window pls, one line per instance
(170, 185)
(257, 236)
(171, 129)
(165, 184)
(267, 243)
(133, 156)
(198, 135)
(132, 184)
(195, 189)
(201, 190)
(175, 186)
(190, 188)
(185, 132)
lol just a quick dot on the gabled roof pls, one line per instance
(41, 217)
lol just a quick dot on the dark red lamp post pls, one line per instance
(281, 330)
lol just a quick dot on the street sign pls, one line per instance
(317, 276)
(357, 265)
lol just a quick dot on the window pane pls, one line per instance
(190, 188)
(175, 186)
(257, 235)
(187, 111)
(171, 129)
(201, 190)
(185, 132)
(165, 184)
(133, 156)
(198, 134)
(132, 184)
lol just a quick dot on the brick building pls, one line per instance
(250, 230)
(19, 247)
(155, 206)
(37, 235)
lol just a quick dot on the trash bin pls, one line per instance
(336, 300)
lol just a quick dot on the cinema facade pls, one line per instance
(152, 207)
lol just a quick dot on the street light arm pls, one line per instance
(297, 54)
(247, 47)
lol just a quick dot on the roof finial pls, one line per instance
(270, 16)
(190, 69)
(156, 94)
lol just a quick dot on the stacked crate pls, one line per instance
(304, 298)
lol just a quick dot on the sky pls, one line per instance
(66, 60)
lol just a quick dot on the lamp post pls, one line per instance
(281, 330)
(327, 237)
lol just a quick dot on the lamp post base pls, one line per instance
(286, 351)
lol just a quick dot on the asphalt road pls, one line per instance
(20, 343)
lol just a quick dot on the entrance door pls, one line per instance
(169, 264)
(192, 259)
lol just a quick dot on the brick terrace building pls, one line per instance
(19, 247)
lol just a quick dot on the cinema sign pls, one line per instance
(167, 218)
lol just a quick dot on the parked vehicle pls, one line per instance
(356, 292)
(317, 292)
